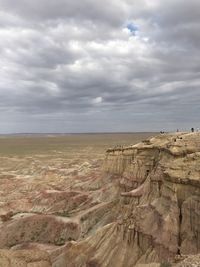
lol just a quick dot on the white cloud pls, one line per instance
(97, 100)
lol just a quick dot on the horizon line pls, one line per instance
(67, 133)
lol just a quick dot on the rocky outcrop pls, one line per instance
(158, 206)
(163, 174)
(141, 210)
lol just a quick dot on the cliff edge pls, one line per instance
(157, 205)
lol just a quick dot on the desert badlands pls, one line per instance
(94, 206)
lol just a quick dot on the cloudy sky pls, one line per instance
(98, 66)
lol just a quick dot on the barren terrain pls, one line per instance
(53, 192)
(100, 200)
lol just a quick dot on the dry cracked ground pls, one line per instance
(70, 201)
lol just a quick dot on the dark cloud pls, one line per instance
(99, 65)
(112, 12)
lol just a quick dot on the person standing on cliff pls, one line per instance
(192, 129)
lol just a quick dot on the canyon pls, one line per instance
(134, 205)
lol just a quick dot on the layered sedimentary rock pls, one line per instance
(163, 174)
(47, 201)
(158, 206)
(142, 208)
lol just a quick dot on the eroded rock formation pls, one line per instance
(141, 209)
(158, 206)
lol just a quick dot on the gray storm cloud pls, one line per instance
(80, 66)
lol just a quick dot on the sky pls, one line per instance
(99, 66)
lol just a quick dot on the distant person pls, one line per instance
(192, 129)
(197, 129)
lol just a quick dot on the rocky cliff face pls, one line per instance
(163, 175)
(157, 206)
(140, 209)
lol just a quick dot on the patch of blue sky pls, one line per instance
(133, 29)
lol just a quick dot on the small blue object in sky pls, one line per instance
(132, 28)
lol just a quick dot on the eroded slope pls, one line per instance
(140, 206)
(52, 191)
(158, 209)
